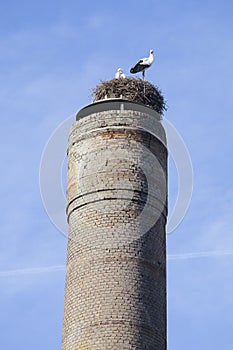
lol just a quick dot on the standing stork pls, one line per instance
(143, 64)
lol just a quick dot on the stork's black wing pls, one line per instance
(139, 67)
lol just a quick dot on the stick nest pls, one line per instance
(136, 90)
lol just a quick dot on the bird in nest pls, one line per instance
(119, 74)
(143, 64)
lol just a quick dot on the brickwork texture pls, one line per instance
(115, 295)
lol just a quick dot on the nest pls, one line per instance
(136, 90)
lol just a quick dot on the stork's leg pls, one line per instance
(143, 74)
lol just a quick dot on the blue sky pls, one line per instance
(52, 54)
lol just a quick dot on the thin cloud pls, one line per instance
(32, 271)
(185, 256)
(206, 254)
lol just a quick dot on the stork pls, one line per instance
(119, 74)
(143, 64)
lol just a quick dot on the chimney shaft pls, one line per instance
(115, 295)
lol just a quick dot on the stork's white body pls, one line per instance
(147, 61)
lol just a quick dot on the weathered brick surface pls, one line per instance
(115, 294)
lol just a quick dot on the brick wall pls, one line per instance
(115, 295)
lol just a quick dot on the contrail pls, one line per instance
(184, 256)
(206, 254)
(32, 270)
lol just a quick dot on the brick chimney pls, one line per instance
(115, 295)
